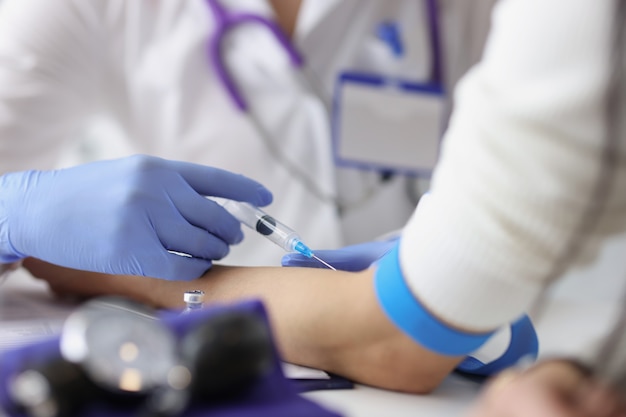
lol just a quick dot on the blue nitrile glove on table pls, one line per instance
(505, 348)
(124, 216)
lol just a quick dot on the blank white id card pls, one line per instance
(387, 125)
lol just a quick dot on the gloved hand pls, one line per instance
(124, 216)
(350, 258)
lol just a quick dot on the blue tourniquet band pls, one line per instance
(406, 312)
(523, 345)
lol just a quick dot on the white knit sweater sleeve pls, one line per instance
(520, 163)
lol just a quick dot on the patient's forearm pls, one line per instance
(329, 320)
(324, 319)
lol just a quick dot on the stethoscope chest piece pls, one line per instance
(120, 345)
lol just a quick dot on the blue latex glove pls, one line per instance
(124, 216)
(350, 258)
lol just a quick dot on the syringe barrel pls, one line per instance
(263, 223)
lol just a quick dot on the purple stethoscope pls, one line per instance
(226, 21)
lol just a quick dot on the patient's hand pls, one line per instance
(83, 284)
(556, 388)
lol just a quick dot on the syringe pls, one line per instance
(266, 225)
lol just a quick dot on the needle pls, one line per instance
(323, 262)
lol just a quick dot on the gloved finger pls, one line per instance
(216, 182)
(191, 240)
(207, 214)
(337, 261)
(351, 258)
(182, 268)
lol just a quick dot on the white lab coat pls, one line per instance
(143, 64)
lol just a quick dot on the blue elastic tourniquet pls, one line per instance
(408, 314)
(523, 344)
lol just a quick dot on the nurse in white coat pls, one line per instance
(144, 66)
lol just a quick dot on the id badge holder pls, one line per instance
(388, 125)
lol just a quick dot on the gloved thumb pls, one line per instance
(180, 268)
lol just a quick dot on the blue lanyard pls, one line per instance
(436, 75)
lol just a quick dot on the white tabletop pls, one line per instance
(450, 399)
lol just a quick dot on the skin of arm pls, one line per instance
(329, 320)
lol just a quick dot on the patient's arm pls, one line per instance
(324, 319)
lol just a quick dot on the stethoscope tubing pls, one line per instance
(226, 22)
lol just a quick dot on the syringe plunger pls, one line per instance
(263, 223)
